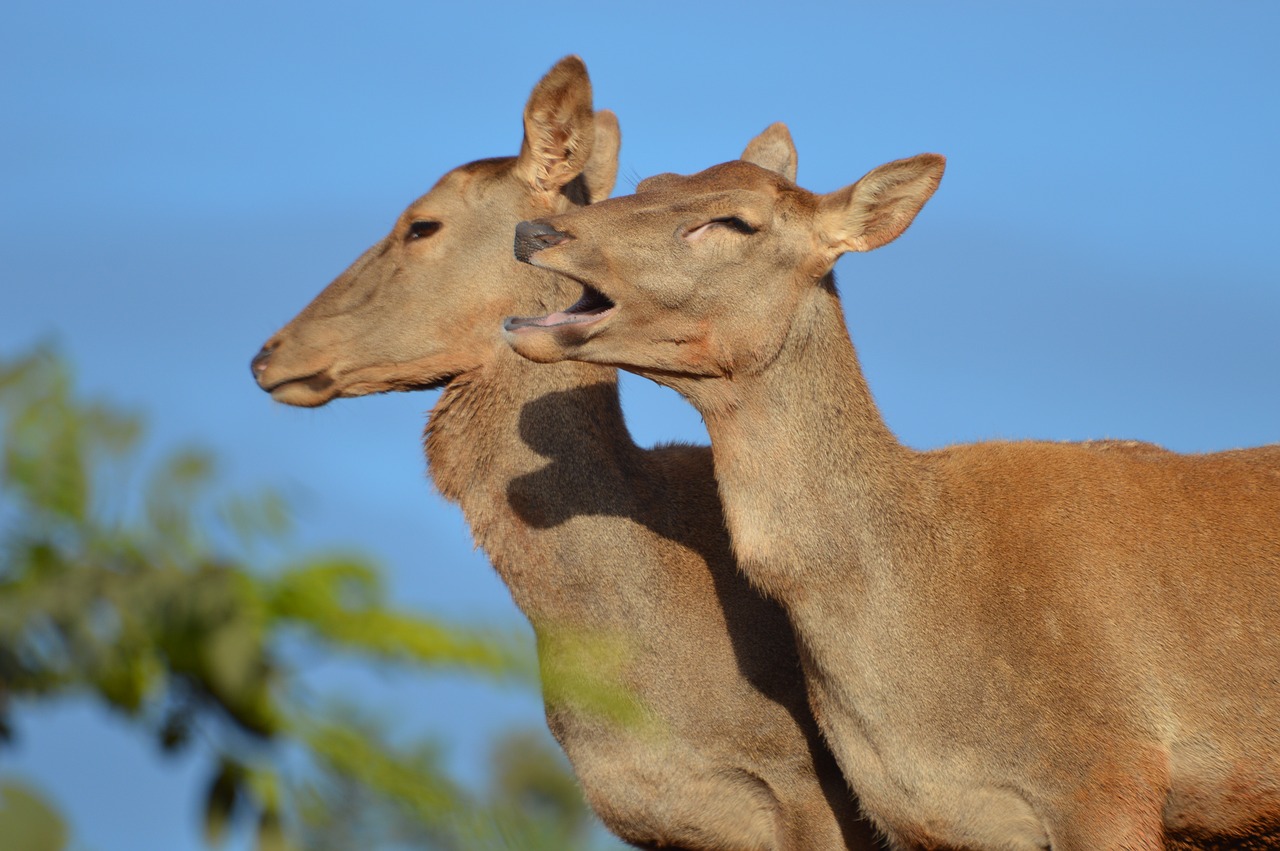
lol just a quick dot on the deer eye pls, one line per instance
(731, 222)
(421, 230)
(734, 222)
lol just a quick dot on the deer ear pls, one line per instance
(879, 207)
(558, 128)
(602, 166)
(774, 150)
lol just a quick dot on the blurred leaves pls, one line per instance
(342, 601)
(27, 821)
(141, 586)
(585, 672)
(526, 780)
(401, 795)
(221, 800)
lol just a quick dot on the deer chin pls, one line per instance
(308, 391)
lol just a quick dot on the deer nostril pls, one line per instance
(259, 363)
(532, 237)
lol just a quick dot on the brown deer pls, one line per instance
(1008, 645)
(597, 539)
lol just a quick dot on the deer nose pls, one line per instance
(532, 237)
(259, 363)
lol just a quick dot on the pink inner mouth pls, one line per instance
(592, 306)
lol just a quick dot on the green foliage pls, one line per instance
(341, 600)
(401, 795)
(27, 821)
(586, 672)
(526, 780)
(142, 589)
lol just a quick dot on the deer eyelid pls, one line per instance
(734, 223)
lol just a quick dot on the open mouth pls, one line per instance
(592, 307)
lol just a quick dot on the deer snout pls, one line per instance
(532, 237)
(259, 363)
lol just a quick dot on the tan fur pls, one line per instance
(617, 555)
(1008, 645)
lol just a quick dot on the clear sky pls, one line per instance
(178, 179)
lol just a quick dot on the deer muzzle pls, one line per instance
(532, 237)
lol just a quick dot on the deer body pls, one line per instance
(1008, 645)
(997, 589)
(617, 555)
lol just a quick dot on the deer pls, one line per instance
(1007, 644)
(603, 544)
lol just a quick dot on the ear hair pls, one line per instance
(879, 207)
(774, 150)
(558, 128)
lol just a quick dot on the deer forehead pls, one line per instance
(481, 183)
(734, 175)
(732, 188)
(669, 212)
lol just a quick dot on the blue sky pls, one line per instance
(178, 180)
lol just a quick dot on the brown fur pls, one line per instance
(1008, 645)
(617, 555)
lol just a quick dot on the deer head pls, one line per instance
(701, 275)
(409, 314)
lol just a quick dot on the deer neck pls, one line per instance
(525, 450)
(816, 488)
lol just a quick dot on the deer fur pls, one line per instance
(1008, 645)
(617, 555)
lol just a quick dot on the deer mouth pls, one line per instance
(304, 391)
(318, 389)
(591, 308)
